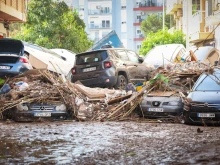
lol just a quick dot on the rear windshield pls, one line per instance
(11, 47)
(91, 57)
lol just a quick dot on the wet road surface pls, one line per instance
(108, 143)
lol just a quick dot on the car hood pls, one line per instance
(205, 96)
(10, 46)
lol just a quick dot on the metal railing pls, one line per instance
(99, 12)
(99, 26)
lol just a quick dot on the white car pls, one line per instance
(41, 57)
(67, 54)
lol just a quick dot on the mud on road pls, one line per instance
(108, 143)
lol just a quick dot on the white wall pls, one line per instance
(217, 38)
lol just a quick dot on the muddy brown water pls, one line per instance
(108, 143)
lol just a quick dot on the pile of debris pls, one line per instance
(94, 104)
(178, 77)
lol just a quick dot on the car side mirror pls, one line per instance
(64, 58)
(140, 59)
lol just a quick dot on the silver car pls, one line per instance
(161, 105)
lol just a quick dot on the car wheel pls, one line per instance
(185, 118)
(121, 82)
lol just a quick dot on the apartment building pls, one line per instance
(11, 11)
(123, 16)
(198, 19)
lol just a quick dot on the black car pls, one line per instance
(109, 67)
(203, 103)
(12, 58)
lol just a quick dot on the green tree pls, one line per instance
(53, 25)
(153, 23)
(160, 38)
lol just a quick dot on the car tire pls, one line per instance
(121, 82)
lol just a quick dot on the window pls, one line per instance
(81, 9)
(92, 25)
(123, 7)
(138, 31)
(195, 6)
(132, 56)
(122, 55)
(123, 22)
(138, 46)
(105, 23)
(138, 17)
(105, 10)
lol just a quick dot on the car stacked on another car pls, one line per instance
(12, 58)
(109, 67)
(203, 103)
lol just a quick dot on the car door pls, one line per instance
(129, 66)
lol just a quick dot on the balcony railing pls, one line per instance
(99, 26)
(99, 12)
(173, 5)
(139, 36)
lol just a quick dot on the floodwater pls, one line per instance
(91, 143)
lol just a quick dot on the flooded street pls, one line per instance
(108, 143)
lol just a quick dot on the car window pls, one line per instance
(132, 56)
(122, 55)
(91, 57)
(34, 47)
(51, 53)
(209, 83)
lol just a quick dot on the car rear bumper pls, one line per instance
(167, 111)
(101, 81)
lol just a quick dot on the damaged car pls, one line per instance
(161, 104)
(109, 67)
(203, 104)
(12, 58)
(37, 112)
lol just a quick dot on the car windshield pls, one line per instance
(91, 57)
(209, 83)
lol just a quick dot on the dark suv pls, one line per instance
(110, 67)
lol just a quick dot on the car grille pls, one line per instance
(204, 107)
(8, 59)
(42, 108)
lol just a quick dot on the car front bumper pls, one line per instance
(193, 117)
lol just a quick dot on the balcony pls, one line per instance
(99, 26)
(172, 6)
(213, 19)
(13, 10)
(138, 22)
(139, 37)
(148, 6)
(99, 12)
(198, 31)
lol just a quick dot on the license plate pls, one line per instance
(89, 69)
(155, 109)
(42, 114)
(4, 67)
(206, 115)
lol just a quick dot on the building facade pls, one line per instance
(11, 11)
(198, 19)
(123, 16)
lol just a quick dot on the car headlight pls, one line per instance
(174, 103)
(22, 107)
(61, 107)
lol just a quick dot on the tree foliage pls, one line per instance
(153, 23)
(161, 38)
(53, 25)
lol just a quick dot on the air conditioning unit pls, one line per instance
(142, 13)
(98, 7)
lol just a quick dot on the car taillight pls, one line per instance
(23, 60)
(107, 64)
(73, 71)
